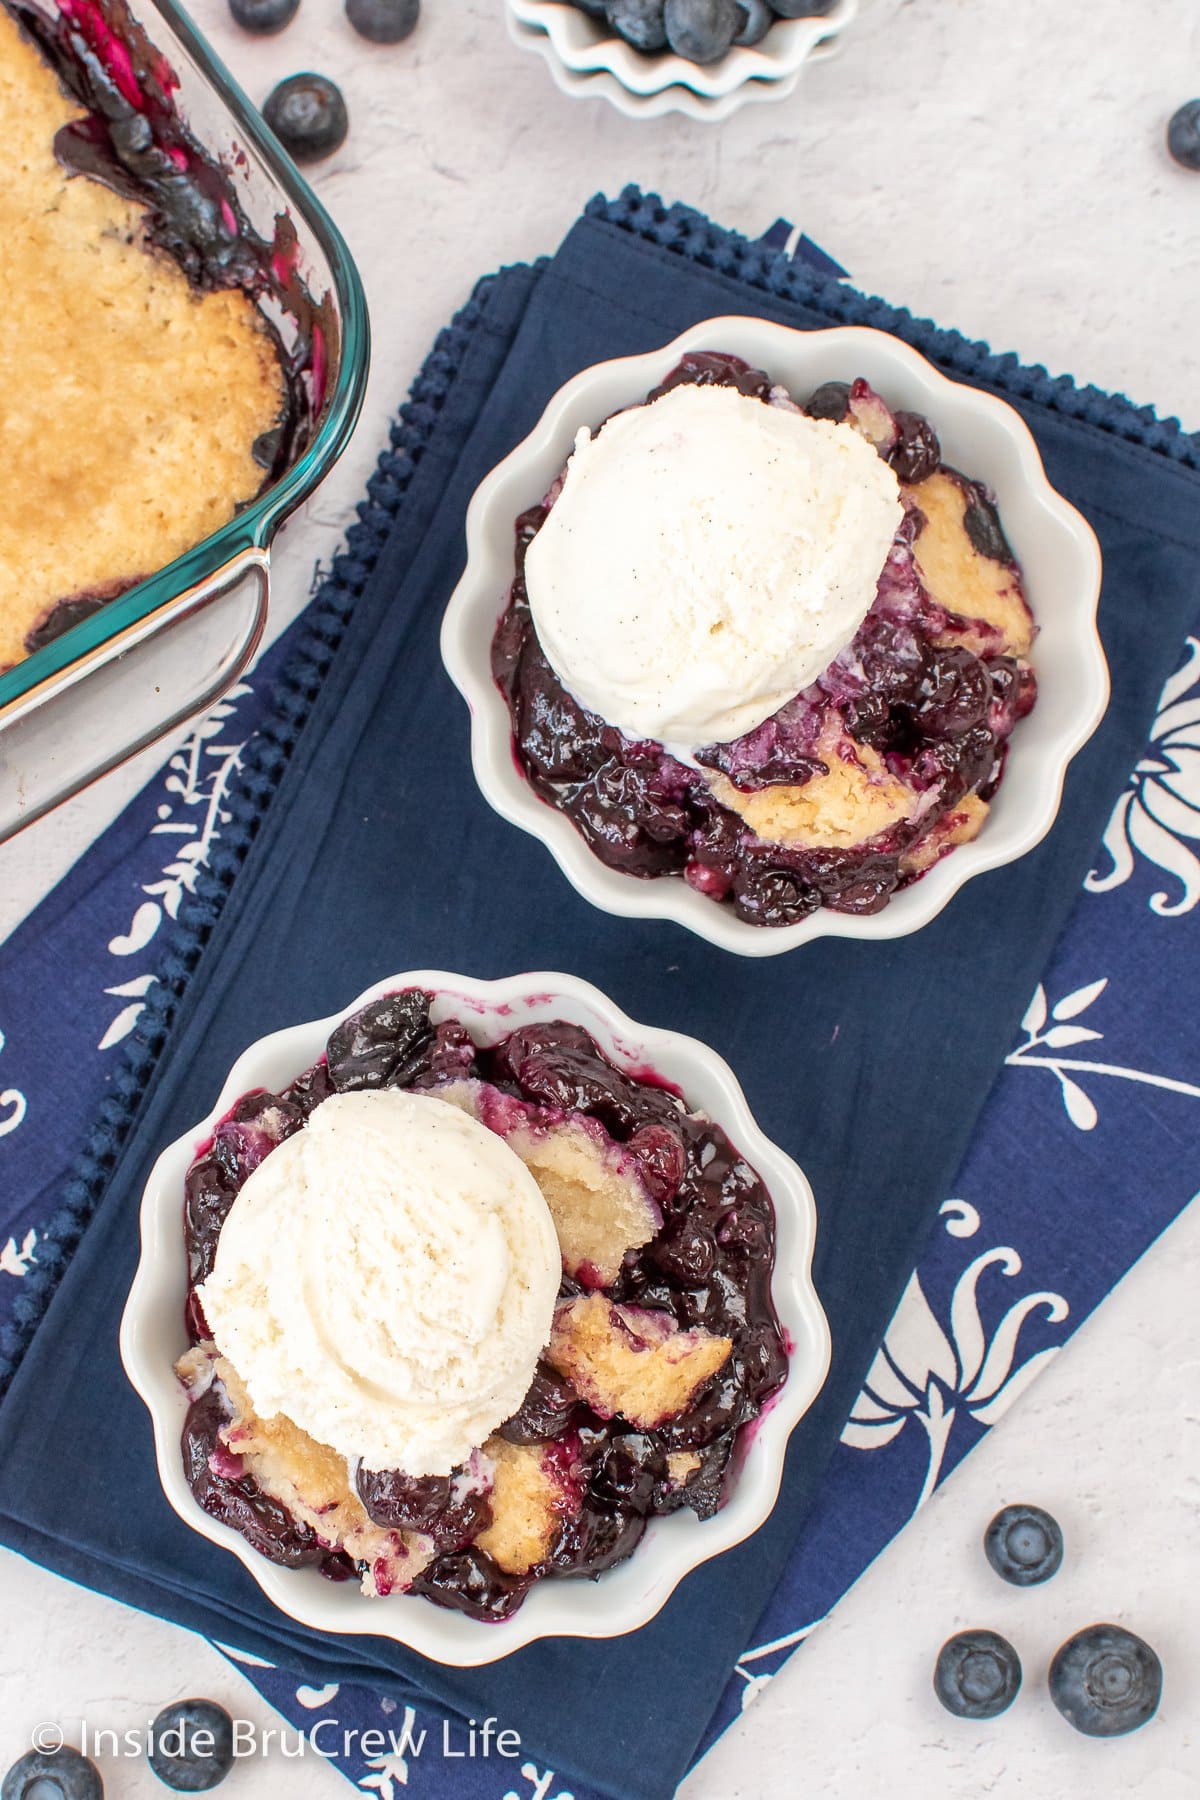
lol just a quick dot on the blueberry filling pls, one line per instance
(938, 713)
(424, 1503)
(709, 1265)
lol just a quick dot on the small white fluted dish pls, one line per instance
(646, 86)
(153, 1336)
(982, 436)
(602, 86)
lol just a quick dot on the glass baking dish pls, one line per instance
(164, 651)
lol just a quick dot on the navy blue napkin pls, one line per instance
(365, 849)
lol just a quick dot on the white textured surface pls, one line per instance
(1000, 169)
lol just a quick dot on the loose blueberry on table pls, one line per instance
(1106, 1681)
(263, 16)
(383, 21)
(977, 1675)
(1024, 1545)
(909, 725)
(67, 1775)
(664, 1346)
(192, 1746)
(1183, 135)
(308, 115)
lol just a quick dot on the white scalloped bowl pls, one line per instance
(153, 1334)
(980, 435)
(600, 85)
(584, 47)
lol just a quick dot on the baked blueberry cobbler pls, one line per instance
(146, 398)
(464, 1317)
(775, 650)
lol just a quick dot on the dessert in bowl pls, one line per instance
(484, 1287)
(797, 635)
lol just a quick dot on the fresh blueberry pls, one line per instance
(639, 22)
(977, 1675)
(383, 21)
(760, 16)
(192, 1746)
(1105, 1681)
(68, 1775)
(595, 9)
(1024, 1545)
(803, 9)
(308, 116)
(702, 30)
(1183, 135)
(263, 16)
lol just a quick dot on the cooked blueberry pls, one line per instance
(760, 16)
(383, 1043)
(831, 400)
(546, 1410)
(1024, 1545)
(744, 1231)
(917, 451)
(383, 21)
(308, 115)
(977, 1675)
(981, 522)
(774, 897)
(1105, 1681)
(701, 30)
(1183, 135)
(67, 1775)
(593, 1541)
(192, 1746)
(685, 1251)
(628, 1472)
(468, 1581)
(639, 22)
(447, 1508)
(715, 368)
(662, 1159)
(955, 692)
(783, 763)
(263, 16)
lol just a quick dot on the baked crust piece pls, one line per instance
(631, 1361)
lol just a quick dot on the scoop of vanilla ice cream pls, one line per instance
(707, 557)
(387, 1278)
